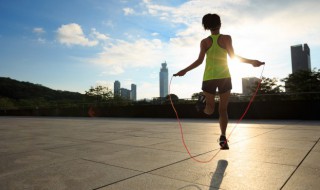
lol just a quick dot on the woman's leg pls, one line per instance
(223, 111)
(209, 109)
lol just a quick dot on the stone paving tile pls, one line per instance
(70, 175)
(141, 159)
(31, 143)
(193, 146)
(166, 135)
(263, 142)
(139, 141)
(14, 163)
(304, 178)
(312, 160)
(140, 133)
(93, 148)
(317, 148)
(121, 153)
(187, 136)
(294, 134)
(268, 155)
(154, 182)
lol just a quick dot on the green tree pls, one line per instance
(100, 93)
(269, 90)
(6, 103)
(269, 86)
(303, 85)
(303, 81)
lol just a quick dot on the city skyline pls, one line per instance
(124, 92)
(73, 45)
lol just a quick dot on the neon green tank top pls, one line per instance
(216, 61)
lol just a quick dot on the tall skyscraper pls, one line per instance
(163, 80)
(300, 58)
(133, 92)
(116, 88)
(248, 84)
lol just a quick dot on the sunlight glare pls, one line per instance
(238, 71)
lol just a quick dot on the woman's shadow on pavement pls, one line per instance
(218, 174)
(216, 179)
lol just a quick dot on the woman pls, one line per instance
(216, 74)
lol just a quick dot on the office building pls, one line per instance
(248, 84)
(116, 88)
(125, 93)
(133, 96)
(300, 58)
(163, 76)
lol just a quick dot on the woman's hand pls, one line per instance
(180, 73)
(257, 63)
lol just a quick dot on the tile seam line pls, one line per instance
(294, 171)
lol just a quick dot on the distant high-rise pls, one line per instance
(300, 57)
(133, 92)
(248, 84)
(116, 88)
(125, 93)
(163, 80)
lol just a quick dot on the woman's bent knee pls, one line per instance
(209, 110)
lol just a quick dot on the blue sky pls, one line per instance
(75, 44)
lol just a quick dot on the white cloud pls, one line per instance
(38, 30)
(113, 70)
(123, 55)
(41, 40)
(108, 23)
(97, 35)
(72, 34)
(128, 11)
(190, 12)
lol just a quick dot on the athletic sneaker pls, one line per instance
(201, 103)
(223, 142)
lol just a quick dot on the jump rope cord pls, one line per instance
(181, 130)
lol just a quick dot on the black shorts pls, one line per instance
(223, 85)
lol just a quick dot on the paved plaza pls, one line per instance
(141, 154)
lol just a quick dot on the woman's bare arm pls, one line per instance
(196, 63)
